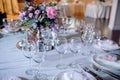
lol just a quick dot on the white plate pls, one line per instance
(108, 63)
(73, 75)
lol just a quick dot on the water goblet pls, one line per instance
(61, 46)
(66, 22)
(75, 48)
(39, 57)
(28, 48)
(98, 36)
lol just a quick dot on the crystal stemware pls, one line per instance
(39, 57)
(98, 36)
(61, 47)
(28, 48)
(75, 48)
(66, 21)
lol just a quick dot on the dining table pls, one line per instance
(14, 64)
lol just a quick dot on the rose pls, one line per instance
(51, 12)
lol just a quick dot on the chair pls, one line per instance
(91, 10)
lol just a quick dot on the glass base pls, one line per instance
(61, 66)
(41, 76)
(31, 71)
(74, 65)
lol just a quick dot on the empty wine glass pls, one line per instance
(39, 57)
(98, 36)
(77, 25)
(66, 21)
(28, 48)
(61, 47)
(75, 47)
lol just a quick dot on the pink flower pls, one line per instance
(30, 15)
(51, 12)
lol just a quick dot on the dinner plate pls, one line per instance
(73, 75)
(106, 61)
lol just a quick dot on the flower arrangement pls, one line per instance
(38, 16)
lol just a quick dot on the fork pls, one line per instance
(92, 73)
(107, 72)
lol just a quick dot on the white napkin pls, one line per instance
(5, 31)
(14, 78)
(108, 60)
(108, 45)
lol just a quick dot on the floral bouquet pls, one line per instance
(39, 16)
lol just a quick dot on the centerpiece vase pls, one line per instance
(30, 35)
(46, 39)
(40, 42)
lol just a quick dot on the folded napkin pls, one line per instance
(14, 78)
(108, 45)
(109, 61)
(5, 31)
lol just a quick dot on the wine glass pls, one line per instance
(28, 48)
(61, 46)
(75, 48)
(66, 22)
(77, 26)
(98, 36)
(39, 57)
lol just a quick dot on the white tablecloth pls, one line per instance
(13, 63)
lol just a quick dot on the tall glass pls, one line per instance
(39, 57)
(61, 47)
(66, 22)
(75, 48)
(28, 48)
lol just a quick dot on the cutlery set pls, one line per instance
(98, 77)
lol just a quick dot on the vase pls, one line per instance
(30, 35)
(46, 39)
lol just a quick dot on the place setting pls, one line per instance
(107, 63)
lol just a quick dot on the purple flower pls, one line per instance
(24, 13)
(37, 12)
(30, 15)
(51, 12)
(21, 16)
(30, 8)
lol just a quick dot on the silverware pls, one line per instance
(92, 73)
(109, 73)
